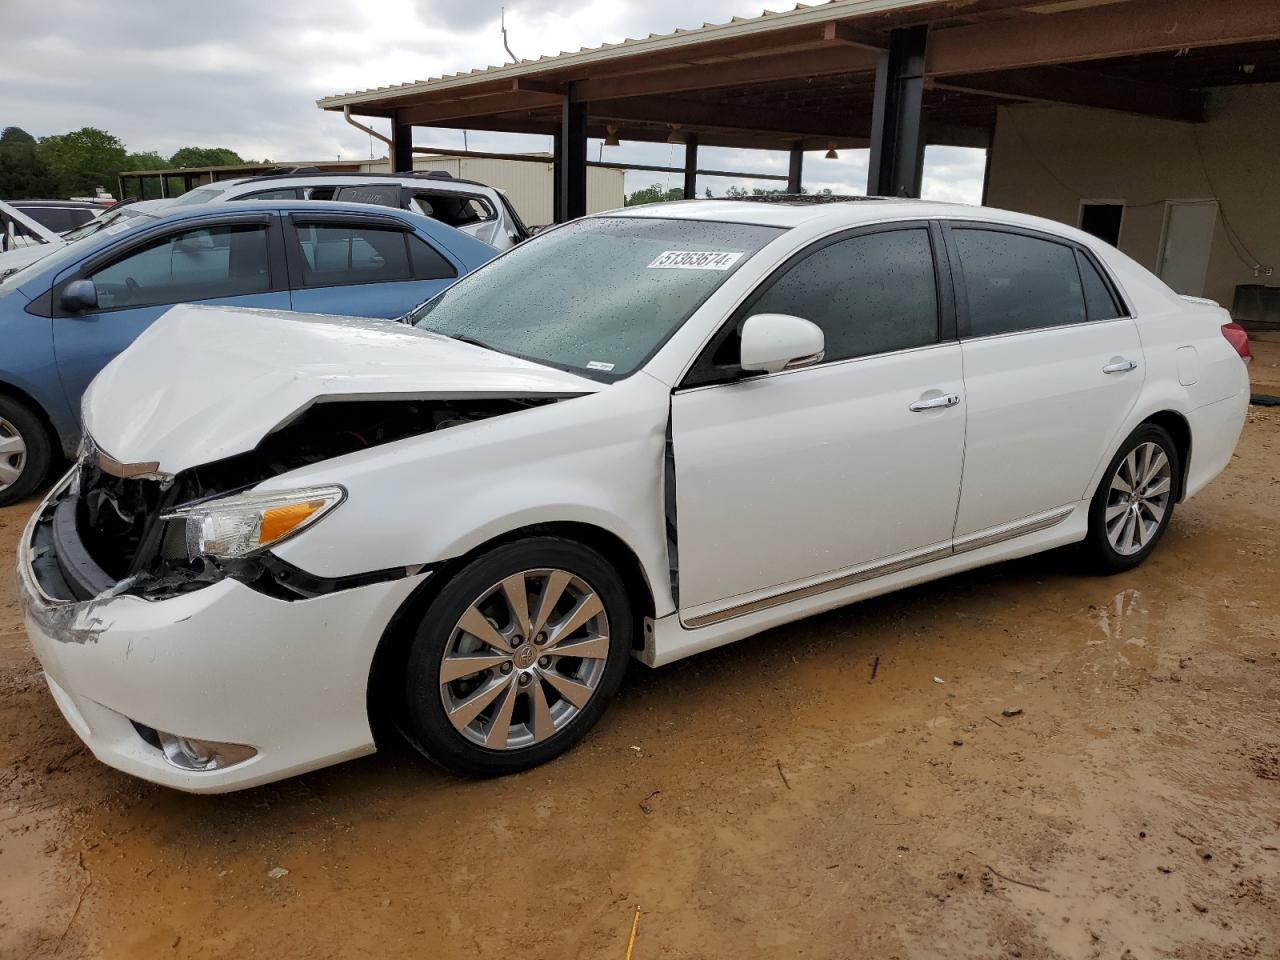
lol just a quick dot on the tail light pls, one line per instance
(1238, 337)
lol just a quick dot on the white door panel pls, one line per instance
(1188, 238)
(797, 474)
(1041, 415)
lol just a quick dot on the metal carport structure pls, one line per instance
(891, 75)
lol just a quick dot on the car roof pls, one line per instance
(790, 210)
(74, 204)
(420, 178)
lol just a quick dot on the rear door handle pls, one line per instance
(1121, 366)
(935, 403)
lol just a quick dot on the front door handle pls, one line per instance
(935, 403)
(1121, 366)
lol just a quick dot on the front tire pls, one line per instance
(26, 451)
(1134, 502)
(517, 657)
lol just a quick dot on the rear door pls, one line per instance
(233, 260)
(852, 462)
(1052, 366)
(362, 265)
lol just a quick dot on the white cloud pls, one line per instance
(246, 75)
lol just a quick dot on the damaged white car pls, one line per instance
(642, 434)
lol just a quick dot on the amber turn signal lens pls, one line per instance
(278, 521)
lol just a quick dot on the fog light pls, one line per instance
(189, 753)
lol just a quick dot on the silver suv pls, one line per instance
(482, 211)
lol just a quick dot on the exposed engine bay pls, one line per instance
(107, 533)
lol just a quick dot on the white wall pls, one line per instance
(1047, 158)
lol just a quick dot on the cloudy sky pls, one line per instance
(245, 74)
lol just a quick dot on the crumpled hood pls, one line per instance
(203, 383)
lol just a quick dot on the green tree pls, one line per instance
(654, 194)
(83, 159)
(204, 157)
(150, 160)
(23, 174)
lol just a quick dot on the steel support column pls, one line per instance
(897, 134)
(401, 147)
(691, 167)
(571, 160)
(795, 169)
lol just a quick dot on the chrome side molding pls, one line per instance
(884, 568)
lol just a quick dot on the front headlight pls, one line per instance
(234, 526)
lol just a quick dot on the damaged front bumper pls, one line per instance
(225, 663)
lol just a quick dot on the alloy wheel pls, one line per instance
(13, 454)
(1138, 498)
(524, 659)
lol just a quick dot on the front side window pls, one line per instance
(196, 264)
(338, 254)
(597, 296)
(869, 294)
(1015, 282)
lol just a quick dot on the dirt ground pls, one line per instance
(849, 786)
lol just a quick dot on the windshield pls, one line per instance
(203, 195)
(113, 216)
(597, 296)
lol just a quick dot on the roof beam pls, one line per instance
(840, 58)
(514, 101)
(844, 32)
(728, 116)
(1084, 89)
(1096, 33)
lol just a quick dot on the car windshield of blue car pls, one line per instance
(597, 296)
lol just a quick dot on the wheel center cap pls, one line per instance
(524, 656)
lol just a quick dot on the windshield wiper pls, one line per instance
(463, 338)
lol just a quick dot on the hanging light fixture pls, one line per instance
(831, 152)
(674, 135)
(611, 136)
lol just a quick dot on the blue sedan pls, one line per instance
(63, 318)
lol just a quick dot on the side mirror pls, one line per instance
(777, 341)
(79, 295)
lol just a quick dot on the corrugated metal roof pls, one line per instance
(737, 26)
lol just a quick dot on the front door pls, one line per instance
(1052, 366)
(213, 264)
(787, 477)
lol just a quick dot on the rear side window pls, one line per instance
(1014, 282)
(428, 262)
(338, 254)
(199, 264)
(1098, 299)
(870, 294)
(453, 209)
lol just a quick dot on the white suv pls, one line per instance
(474, 208)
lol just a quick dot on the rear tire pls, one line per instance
(486, 690)
(1134, 502)
(26, 451)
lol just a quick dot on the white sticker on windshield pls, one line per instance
(599, 365)
(694, 260)
(120, 227)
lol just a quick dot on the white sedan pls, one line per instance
(642, 434)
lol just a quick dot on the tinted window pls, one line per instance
(196, 264)
(1015, 282)
(869, 294)
(356, 253)
(1097, 295)
(428, 262)
(58, 219)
